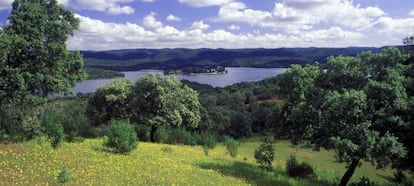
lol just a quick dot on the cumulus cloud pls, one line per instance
(148, 1)
(205, 3)
(411, 13)
(173, 18)
(109, 6)
(200, 25)
(150, 21)
(233, 27)
(98, 35)
(297, 15)
(5, 4)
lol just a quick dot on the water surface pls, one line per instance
(234, 75)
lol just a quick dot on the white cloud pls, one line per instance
(98, 35)
(233, 27)
(390, 26)
(148, 1)
(108, 6)
(173, 18)
(411, 13)
(150, 21)
(5, 4)
(200, 25)
(205, 3)
(298, 15)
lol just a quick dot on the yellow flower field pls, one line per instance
(36, 163)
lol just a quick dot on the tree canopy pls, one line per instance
(160, 101)
(356, 106)
(34, 59)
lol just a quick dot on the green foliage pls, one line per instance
(357, 106)
(206, 149)
(143, 132)
(63, 175)
(209, 140)
(38, 61)
(265, 154)
(299, 170)
(158, 101)
(97, 73)
(161, 135)
(232, 146)
(122, 137)
(110, 102)
(363, 181)
(34, 62)
(53, 129)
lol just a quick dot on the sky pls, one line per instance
(129, 24)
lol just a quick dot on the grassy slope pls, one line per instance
(34, 163)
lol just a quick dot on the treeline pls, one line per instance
(97, 73)
(171, 59)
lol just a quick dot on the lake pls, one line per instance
(234, 75)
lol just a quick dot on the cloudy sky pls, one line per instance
(119, 24)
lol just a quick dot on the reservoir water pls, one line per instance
(234, 75)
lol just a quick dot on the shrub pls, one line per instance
(122, 137)
(161, 135)
(296, 170)
(53, 129)
(63, 175)
(265, 154)
(205, 149)
(143, 132)
(363, 181)
(232, 146)
(209, 141)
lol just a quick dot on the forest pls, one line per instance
(356, 109)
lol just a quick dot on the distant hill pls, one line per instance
(165, 59)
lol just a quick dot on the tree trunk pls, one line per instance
(349, 172)
(152, 135)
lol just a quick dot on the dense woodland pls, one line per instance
(359, 106)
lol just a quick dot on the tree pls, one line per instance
(265, 154)
(34, 60)
(122, 137)
(158, 101)
(354, 106)
(111, 102)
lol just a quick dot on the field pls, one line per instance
(36, 163)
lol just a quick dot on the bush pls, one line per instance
(265, 154)
(296, 170)
(232, 146)
(363, 181)
(209, 141)
(63, 175)
(53, 129)
(122, 137)
(205, 149)
(161, 135)
(143, 132)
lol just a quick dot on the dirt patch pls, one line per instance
(272, 100)
(306, 154)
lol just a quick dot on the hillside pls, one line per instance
(36, 163)
(137, 59)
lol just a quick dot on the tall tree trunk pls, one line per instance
(152, 135)
(349, 172)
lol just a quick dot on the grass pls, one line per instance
(36, 163)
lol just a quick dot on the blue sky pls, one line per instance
(119, 24)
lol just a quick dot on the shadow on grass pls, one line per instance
(248, 172)
(256, 176)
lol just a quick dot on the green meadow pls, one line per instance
(87, 163)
